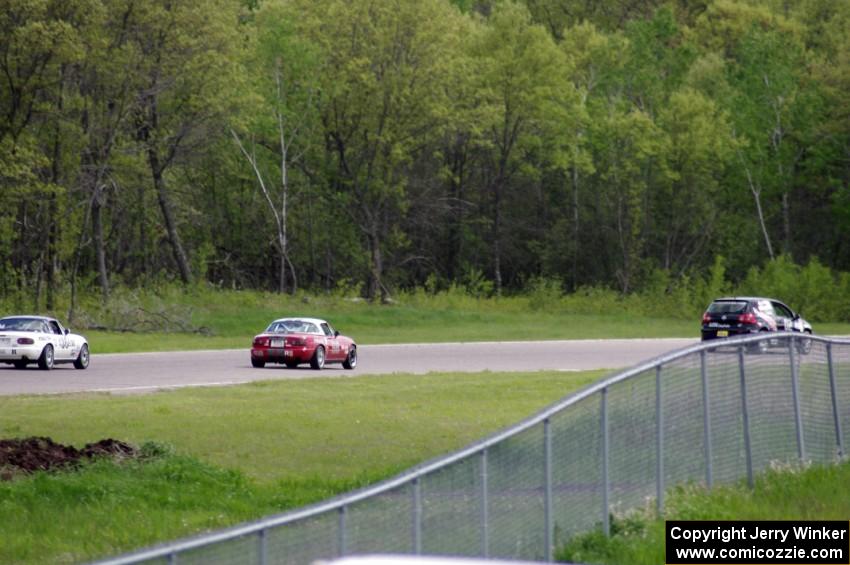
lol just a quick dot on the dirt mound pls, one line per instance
(43, 454)
(108, 447)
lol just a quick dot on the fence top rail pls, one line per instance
(415, 473)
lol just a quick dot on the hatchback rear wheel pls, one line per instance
(804, 344)
(760, 347)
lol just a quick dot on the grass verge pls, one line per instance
(242, 452)
(394, 324)
(779, 494)
(171, 317)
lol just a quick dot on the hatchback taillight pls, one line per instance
(748, 318)
(706, 318)
(25, 341)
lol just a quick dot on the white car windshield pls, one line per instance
(21, 324)
(292, 326)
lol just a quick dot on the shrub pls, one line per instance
(813, 289)
(543, 293)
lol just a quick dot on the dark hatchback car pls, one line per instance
(745, 315)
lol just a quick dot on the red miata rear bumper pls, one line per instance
(282, 355)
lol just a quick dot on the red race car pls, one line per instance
(293, 341)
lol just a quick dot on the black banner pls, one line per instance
(765, 543)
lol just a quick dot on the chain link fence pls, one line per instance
(712, 413)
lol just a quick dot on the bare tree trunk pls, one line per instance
(294, 277)
(786, 223)
(625, 273)
(284, 179)
(756, 192)
(52, 214)
(97, 230)
(143, 232)
(280, 219)
(37, 272)
(90, 180)
(310, 241)
(167, 208)
(72, 307)
(53, 235)
(576, 230)
(456, 194)
(284, 259)
(328, 267)
(497, 239)
(157, 167)
(376, 267)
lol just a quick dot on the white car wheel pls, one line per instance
(804, 344)
(82, 360)
(45, 361)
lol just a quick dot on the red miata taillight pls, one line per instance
(748, 318)
(296, 341)
(25, 341)
(261, 341)
(706, 318)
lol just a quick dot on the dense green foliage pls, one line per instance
(779, 494)
(171, 316)
(381, 146)
(230, 463)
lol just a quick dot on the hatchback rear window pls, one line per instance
(728, 307)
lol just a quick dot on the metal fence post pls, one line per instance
(659, 443)
(795, 393)
(746, 418)
(603, 416)
(547, 477)
(485, 525)
(706, 419)
(262, 547)
(417, 517)
(341, 541)
(839, 438)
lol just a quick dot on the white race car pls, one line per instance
(42, 340)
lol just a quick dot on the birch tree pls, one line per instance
(282, 124)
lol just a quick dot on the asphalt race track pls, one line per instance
(128, 373)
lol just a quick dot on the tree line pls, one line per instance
(378, 145)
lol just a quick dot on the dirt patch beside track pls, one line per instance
(27, 455)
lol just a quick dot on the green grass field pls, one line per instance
(237, 453)
(242, 452)
(168, 318)
(231, 325)
(401, 325)
(779, 494)
(174, 318)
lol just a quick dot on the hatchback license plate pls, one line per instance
(722, 333)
